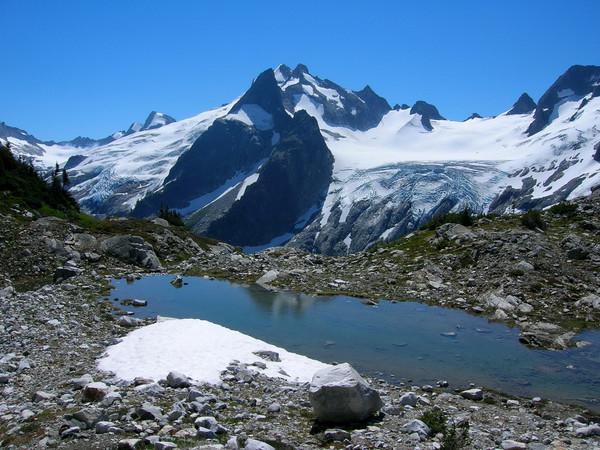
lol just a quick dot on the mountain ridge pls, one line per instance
(392, 169)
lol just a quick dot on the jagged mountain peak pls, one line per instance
(577, 81)
(156, 120)
(300, 70)
(266, 93)
(524, 105)
(473, 116)
(134, 128)
(426, 109)
(338, 106)
(427, 112)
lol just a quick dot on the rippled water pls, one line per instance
(403, 341)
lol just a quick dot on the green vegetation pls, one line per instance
(464, 218)
(532, 219)
(565, 209)
(435, 419)
(452, 438)
(173, 217)
(21, 184)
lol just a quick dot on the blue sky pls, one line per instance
(92, 68)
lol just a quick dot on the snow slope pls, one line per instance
(199, 349)
(111, 178)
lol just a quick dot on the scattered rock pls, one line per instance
(177, 281)
(149, 412)
(334, 434)
(588, 431)
(472, 394)
(94, 392)
(66, 272)
(130, 444)
(177, 380)
(268, 355)
(128, 321)
(409, 399)
(416, 427)
(137, 303)
(131, 249)
(509, 444)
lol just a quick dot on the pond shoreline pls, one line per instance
(38, 403)
(400, 342)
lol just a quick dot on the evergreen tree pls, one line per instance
(173, 217)
(65, 179)
(19, 178)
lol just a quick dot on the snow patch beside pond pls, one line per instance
(199, 349)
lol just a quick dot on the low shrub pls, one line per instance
(532, 219)
(464, 218)
(565, 209)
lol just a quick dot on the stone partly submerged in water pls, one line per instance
(177, 281)
(339, 394)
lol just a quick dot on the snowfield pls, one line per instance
(199, 349)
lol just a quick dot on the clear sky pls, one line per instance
(91, 68)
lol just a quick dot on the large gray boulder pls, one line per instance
(64, 273)
(131, 249)
(177, 380)
(339, 394)
(454, 232)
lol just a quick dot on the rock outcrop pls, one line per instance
(340, 395)
(131, 249)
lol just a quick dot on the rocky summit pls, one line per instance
(538, 272)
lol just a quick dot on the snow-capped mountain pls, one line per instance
(110, 175)
(301, 159)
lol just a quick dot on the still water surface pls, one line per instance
(403, 341)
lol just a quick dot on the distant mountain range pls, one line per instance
(304, 161)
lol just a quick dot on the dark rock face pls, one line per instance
(74, 161)
(578, 80)
(522, 199)
(428, 112)
(291, 162)
(597, 152)
(7, 131)
(524, 105)
(224, 149)
(265, 93)
(473, 116)
(292, 180)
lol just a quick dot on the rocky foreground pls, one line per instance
(53, 329)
